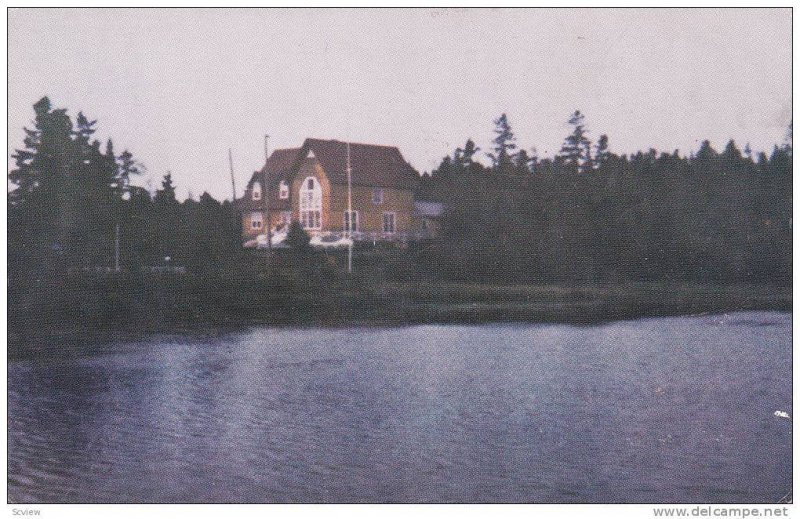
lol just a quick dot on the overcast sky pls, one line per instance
(180, 87)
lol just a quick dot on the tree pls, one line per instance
(38, 212)
(468, 152)
(445, 170)
(297, 238)
(504, 145)
(522, 163)
(166, 221)
(576, 145)
(705, 160)
(601, 154)
(534, 161)
(128, 167)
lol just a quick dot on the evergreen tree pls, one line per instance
(37, 206)
(502, 158)
(297, 238)
(128, 168)
(576, 144)
(445, 170)
(601, 154)
(534, 161)
(93, 198)
(705, 160)
(522, 163)
(467, 153)
(166, 220)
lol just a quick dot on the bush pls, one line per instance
(298, 239)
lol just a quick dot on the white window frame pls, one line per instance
(393, 221)
(377, 196)
(284, 190)
(256, 190)
(256, 221)
(357, 219)
(311, 204)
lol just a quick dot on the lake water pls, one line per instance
(656, 410)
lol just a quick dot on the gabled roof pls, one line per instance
(371, 165)
(278, 165)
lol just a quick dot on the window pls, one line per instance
(311, 204)
(256, 220)
(388, 223)
(347, 219)
(256, 190)
(284, 190)
(377, 196)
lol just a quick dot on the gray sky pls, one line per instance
(179, 87)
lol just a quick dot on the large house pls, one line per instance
(310, 185)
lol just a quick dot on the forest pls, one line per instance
(88, 249)
(589, 214)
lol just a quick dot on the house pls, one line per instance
(310, 185)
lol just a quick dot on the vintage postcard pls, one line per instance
(534, 256)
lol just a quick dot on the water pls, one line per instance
(657, 410)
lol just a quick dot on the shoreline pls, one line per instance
(402, 304)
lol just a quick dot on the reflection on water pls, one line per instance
(657, 410)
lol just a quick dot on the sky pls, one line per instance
(178, 88)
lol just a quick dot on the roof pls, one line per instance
(371, 164)
(279, 165)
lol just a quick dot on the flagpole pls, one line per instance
(266, 191)
(233, 179)
(349, 213)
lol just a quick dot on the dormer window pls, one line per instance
(377, 196)
(284, 190)
(257, 191)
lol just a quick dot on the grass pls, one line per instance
(578, 303)
(55, 321)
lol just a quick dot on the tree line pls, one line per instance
(588, 214)
(73, 204)
(585, 214)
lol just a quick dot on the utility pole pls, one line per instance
(349, 213)
(116, 250)
(266, 191)
(233, 181)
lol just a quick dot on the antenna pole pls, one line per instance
(349, 213)
(266, 192)
(233, 179)
(116, 249)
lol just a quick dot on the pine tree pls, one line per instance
(576, 144)
(445, 170)
(502, 158)
(166, 221)
(534, 161)
(601, 153)
(127, 168)
(37, 206)
(522, 163)
(92, 198)
(467, 153)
